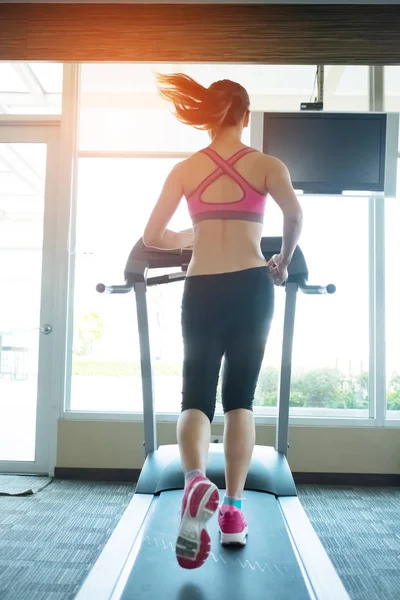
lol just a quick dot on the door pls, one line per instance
(28, 218)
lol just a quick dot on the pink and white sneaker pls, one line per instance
(200, 501)
(232, 525)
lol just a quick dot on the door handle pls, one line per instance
(46, 329)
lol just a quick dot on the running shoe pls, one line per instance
(232, 525)
(200, 501)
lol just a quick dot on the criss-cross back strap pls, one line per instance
(224, 166)
(237, 156)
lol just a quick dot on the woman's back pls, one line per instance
(231, 242)
(225, 185)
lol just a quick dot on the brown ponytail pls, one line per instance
(222, 104)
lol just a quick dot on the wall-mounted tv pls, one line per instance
(331, 153)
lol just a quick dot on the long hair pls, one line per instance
(222, 104)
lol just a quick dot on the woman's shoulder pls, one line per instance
(191, 162)
(200, 155)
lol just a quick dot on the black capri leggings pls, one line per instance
(226, 315)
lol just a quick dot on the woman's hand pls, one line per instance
(278, 269)
(172, 240)
(186, 239)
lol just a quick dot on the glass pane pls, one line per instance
(392, 220)
(22, 180)
(50, 76)
(392, 89)
(10, 80)
(346, 88)
(30, 88)
(140, 130)
(106, 361)
(331, 346)
(121, 110)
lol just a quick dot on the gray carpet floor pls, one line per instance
(360, 530)
(50, 540)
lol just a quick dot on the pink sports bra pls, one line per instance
(249, 208)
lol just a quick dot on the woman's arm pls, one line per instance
(156, 234)
(280, 187)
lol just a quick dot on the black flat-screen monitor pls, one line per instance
(329, 153)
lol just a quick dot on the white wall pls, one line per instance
(119, 445)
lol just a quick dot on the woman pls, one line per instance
(228, 295)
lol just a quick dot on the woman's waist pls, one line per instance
(223, 247)
(213, 264)
(218, 290)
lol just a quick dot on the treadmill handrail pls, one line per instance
(114, 289)
(180, 276)
(316, 289)
(168, 278)
(127, 287)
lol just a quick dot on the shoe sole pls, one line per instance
(193, 544)
(234, 539)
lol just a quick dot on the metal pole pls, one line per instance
(149, 418)
(376, 88)
(282, 427)
(320, 82)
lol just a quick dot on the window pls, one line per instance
(331, 345)
(30, 88)
(392, 89)
(115, 197)
(346, 88)
(392, 220)
(129, 130)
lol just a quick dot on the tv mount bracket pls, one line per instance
(318, 103)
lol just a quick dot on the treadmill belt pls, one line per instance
(265, 568)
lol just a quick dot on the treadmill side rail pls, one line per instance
(103, 577)
(320, 571)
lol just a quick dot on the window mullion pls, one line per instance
(69, 134)
(377, 274)
(380, 317)
(372, 309)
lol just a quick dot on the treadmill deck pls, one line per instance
(265, 568)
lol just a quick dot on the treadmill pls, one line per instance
(283, 558)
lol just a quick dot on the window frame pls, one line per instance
(394, 421)
(376, 240)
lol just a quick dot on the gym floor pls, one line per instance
(49, 541)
